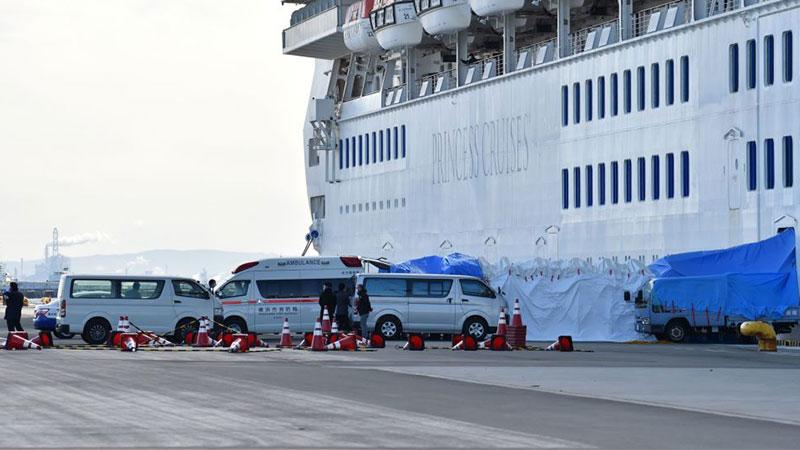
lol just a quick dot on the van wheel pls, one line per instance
(677, 331)
(183, 328)
(236, 325)
(96, 331)
(389, 327)
(476, 327)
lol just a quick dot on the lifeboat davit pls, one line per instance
(495, 7)
(443, 16)
(395, 23)
(358, 34)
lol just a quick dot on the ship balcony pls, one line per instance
(316, 30)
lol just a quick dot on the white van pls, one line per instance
(260, 294)
(92, 304)
(417, 303)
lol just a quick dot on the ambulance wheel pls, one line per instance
(61, 335)
(476, 327)
(183, 328)
(389, 327)
(236, 325)
(677, 331)
(96, 331)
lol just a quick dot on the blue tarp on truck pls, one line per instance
(755, 281)
(452, 264)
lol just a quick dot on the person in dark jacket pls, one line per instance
(13, 300)
(363, 308)
(343, 308)
(327, 299)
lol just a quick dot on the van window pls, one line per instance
(188, 288)
(385, 287)
(146, 290)
(294, 288)
(431, 288)
(92, 289)
(476, 288)
(236, 288)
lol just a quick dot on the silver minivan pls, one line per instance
(422, 303)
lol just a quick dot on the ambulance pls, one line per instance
(261, 294)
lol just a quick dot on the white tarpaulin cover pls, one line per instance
(576, 298)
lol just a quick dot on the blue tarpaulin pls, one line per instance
(452, 264)
(757, 280)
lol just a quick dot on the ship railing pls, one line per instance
(595, 36)
(537, 53)
(395, 95)
(312, 9)
(714, 7)
(661, 17)
(487, 67)
(437, 82)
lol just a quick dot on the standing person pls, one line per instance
(327, 299)
(14, 301)
(343, 308)
(363, 308)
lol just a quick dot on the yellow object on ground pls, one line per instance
(767, 339)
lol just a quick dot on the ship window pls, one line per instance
(769, 60)
(341, 154)
(374, 204)
(614, 182)
(379, 18)
(751, 64)
(396, 147)
(360, 206)
(360, 150)
(752, 166)
(564, 106)
(588, 100)
(565, 188)
(787, 56)
(670, 81)
(626, 82)
(388, 144)
(654, 81)
(656, 179)
(769, 163)
(788, 161)
(628, 181)
(614, 95)
(601, 97)
(380, 135)
(374, 149)
(347, 209)
(733, 68)
(353, 148)
(576, 103)
(589, 187)
(684, 79)
(403, 137)
(390, 15)
(640, 83)
(601, 183)
(576, 178)
(670, 175)
(640, 172)
(366, 149)
(347, 153)
(685, 173)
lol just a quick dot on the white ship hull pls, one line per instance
(483, 167)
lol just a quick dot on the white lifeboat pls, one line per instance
(443, 16)
(395, 23)
(495, 7)
(358, 35)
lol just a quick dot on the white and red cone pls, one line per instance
(317, 342)
(326, 321)
(286, 335)
(516, 319)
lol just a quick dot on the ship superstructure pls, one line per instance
(623, 129)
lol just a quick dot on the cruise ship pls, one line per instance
(557, 129)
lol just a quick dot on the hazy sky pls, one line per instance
(150, 124)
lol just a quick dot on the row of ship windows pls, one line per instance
(376, 206)
(769, 62)
(769, 163)
(641, 168)
(627, 92)
(383, 146)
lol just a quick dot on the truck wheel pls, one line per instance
(476, 327)
(389, 327)
(96, 331)
(677, 331)
(236, 325)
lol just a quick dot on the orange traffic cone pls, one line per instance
(286, 335)
(346, 343)
(501, 323)
(128, 342)
(469, 343)
(498, 343)
(45, 339)
(18, 340)
(415, 342)
(202, 339)
(563, 344)
(239, 344)
(516, 319)
(335, 336)
(376, 341)
(317, 344)
(326, 322)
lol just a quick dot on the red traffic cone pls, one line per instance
(501, 323)
(326, 321)
(377, 341)
(128, 342)
(346, 343)
(554, 347)
(516, 318)
(286, 335)
(239, 343)
(415, 342)
(18, 340)
(45, 339)
(469, 343)
(499, 343)
(202, 339)
(485, 345)
(335, 336)
(317, 344)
